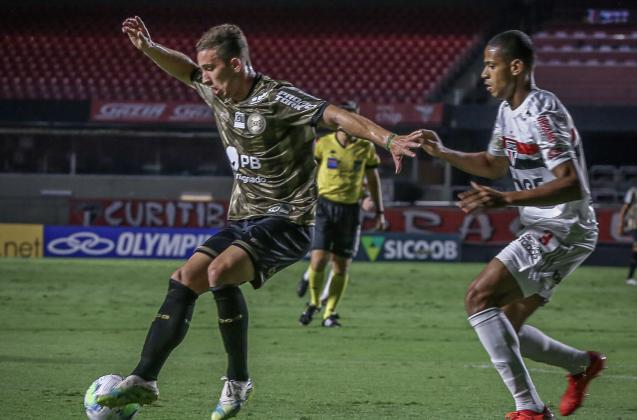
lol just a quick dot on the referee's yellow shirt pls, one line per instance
(342, 169)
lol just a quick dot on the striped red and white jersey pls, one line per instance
(536, 137)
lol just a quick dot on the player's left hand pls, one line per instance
(380, 223)
(480, 197)
(402, 146)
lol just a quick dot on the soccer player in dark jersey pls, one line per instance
(267, 129)
(344, 163)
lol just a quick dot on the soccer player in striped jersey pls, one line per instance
(344, 163)
(534, 137)
(267, 129)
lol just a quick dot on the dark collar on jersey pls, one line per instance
(255, 82)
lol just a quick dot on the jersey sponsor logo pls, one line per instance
(530, 245)
(527, 183)
(257, 99)
(237, 160)
(239, 120)
(332, 163)
(545, 127)
(358, 164)
(256, 123)
(279, 209)
(294, 102)
(247, 179)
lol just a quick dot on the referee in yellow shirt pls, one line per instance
(344, 163)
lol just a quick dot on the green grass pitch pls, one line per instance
(405, 351)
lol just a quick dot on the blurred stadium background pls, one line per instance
(102, 155)
(95, 138)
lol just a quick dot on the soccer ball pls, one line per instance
(101, 386)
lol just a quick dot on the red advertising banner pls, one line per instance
(141, 112)
(492, 227)
(147, 213)
(200, 113)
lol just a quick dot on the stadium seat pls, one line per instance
(99, 62)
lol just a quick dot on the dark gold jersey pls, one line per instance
(268, 139)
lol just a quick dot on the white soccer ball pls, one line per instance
(101, 386)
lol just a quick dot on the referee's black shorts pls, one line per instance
(338, 227)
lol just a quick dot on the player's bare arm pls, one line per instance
(564, 188)
(622, 220)
(358, 126)
(175, 63)
(479, 164)
(375, 190)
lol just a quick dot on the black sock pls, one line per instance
(633, 265)
(167, 330)
(233, 324)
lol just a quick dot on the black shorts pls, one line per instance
(634, 237)
(338, 227)
(272, 243)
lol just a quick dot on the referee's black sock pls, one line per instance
(167, 330)
(633, 265)
(233, 324)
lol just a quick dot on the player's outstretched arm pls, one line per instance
(361, 127)
(564, 188)
(175, 63)
(480, 164)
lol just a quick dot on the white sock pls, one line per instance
(326, 288)
(501, 343)
(538, 346)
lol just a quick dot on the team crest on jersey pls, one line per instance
(256, 123)
(511, 149)
(332, 163)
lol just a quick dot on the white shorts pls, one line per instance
(538, 261)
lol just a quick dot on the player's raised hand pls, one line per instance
(137, 32)
(480, 197)
(431, 143)
(400, 146)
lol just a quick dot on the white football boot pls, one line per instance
(233, 396)
(133, 389)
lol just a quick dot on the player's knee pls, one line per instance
(475, 299)
(216, 275)
(188, 278)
